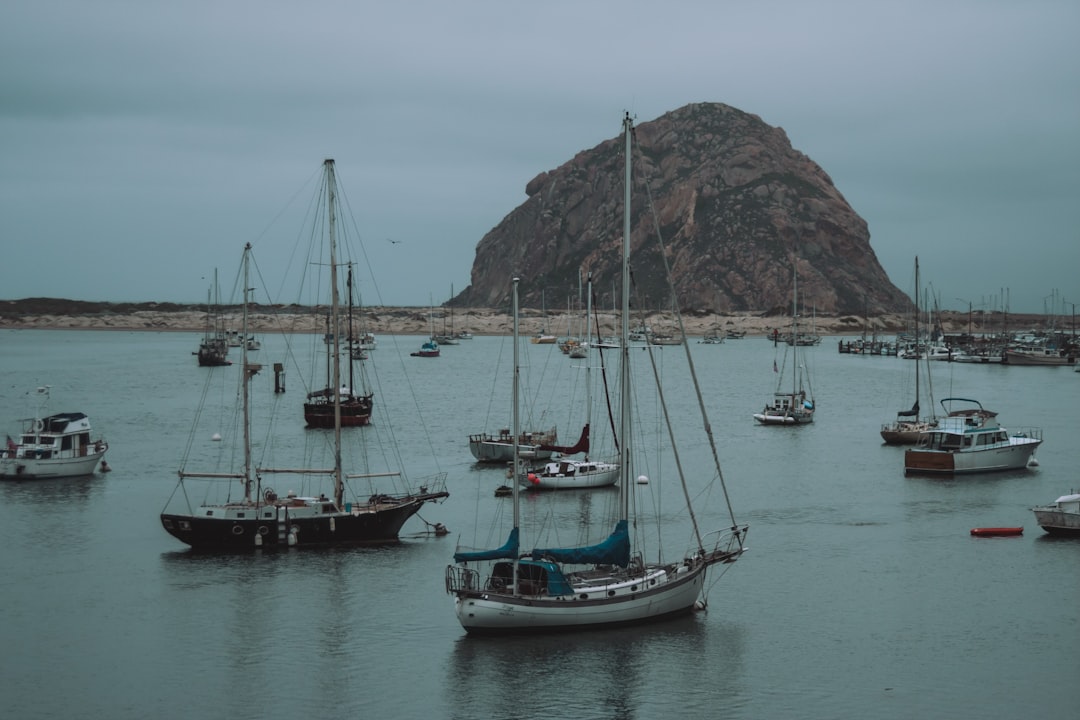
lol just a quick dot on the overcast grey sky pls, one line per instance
(142, 143)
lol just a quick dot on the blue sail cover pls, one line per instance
(913, 412)
(508, 550)
(615, 550)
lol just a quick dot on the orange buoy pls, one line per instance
(997, 531)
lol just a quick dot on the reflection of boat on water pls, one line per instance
(52, 446)
(606, 584)
(260, 517)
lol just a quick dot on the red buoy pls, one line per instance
(997, 531)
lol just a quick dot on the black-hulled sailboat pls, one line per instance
(250, 514)
(351, 406)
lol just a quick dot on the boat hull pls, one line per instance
(499, 448)
(783, 419)
(355, 413)
(904, 433)
(273, 526)
(1014, 456)
(1057, 522)
(490, 613)
(26, 468)
(1041, 358)
(598, 475)
(214, 353)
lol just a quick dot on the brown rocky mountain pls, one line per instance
(734, 203)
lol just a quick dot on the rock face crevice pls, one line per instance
(735, 205)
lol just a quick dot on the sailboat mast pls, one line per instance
(917, 357)
(624, 369)
(352, 341)
(331, 193)
(516, 419)
(588, 353)
(245, 378)
(794, 329)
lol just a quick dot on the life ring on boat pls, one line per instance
(237, 530)
(39, 425)
(269, 495)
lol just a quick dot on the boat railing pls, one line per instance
(461, 579)
(728, 545)
(1028, 432)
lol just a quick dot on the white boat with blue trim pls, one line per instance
(602, 585)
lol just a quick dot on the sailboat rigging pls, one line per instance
(908, 426)
(602, 585)
(353, 407)
(795, 407)
(263, 519)
(214, 349)
(583, 472)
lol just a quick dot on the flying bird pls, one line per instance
(395, 242)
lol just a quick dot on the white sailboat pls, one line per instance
(568, 473)
(908, 426)
(503, 591)
(797, 406)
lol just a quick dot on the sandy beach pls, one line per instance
(478, 321)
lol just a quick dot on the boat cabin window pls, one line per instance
(66, 442)
(532, 580)
(47, 440)
(502, 576)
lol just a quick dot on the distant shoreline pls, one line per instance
(47, 313)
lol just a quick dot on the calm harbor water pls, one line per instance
(863, 594)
